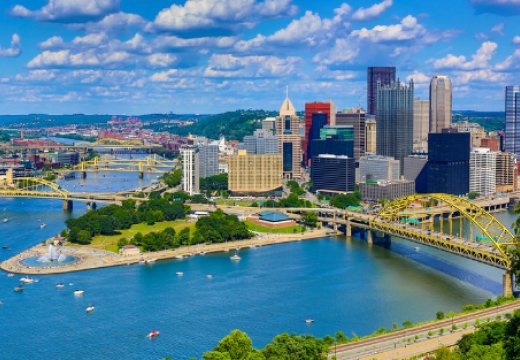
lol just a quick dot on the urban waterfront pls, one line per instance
(344, 285)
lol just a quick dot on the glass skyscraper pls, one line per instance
(395, 120)
(384, 74)
(513, 119)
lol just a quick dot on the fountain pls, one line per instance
(52, 256)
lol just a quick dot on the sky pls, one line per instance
(208, 56)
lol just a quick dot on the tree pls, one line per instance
(473, 195)
(310, 219)
(150, 219)
(84, 237)
(138, 239)
(341, 338)
(122, 242)
(383, 201)
(235, 346)
(444, 353)
(394, 325)
(439, 315)
(407, 324)
(63, 233)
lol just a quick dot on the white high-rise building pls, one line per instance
(440, 103)
(190, 169)
(482, 171)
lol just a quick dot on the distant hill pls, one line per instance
(233, 125)
(489, 120)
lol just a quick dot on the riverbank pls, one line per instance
(89, 259)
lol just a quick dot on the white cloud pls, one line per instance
(219, 14)
(479, 61)
(516, 41)
(322, 72)
(114, 23)
(408, 29)
(510, 63)
(173, 75)
(69, 11)
(499, 27)
(161, 61)
(226, 66)
(373, 12)
(418, 78)
(53, 43)
(480, 36)
(343, 52)
(478, 76)
(36, 76)
(14, 50)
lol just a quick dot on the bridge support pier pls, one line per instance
(67, 204)
(370, 239)
(141, 175)
(84, 175)
(507, 284)
(348, 229)
(335, 226)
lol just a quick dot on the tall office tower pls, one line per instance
(395, 120)
(327, 108)
(421, 119)
(269, 125)
(255, 174)
(448, 163)
(190, 169)
(355, 117)
(319, 120)
(416, 170)
(261, 143)
(374, 167)
(333, 173)
(289, 141)
(334, 140)
(208, 160)
(512, 120)
(370, 134)
(482, 171)
(384, 74)
(506, 172)
(440, 103)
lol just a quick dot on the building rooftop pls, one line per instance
(274, 217)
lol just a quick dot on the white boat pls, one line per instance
(79, 292)
(10, 275)
(90, 308)
(151, 260)
(42, 226)
(141, 261)
(71, 284)
(202, 253)
(179, 273)
(180, 257)
(226, 250)
(59, 286)
(308, 321)
(6, 220)
(235, 257)
(27, 280)
(153, 334)
(417, 248)
(209, 276)
(252, 247)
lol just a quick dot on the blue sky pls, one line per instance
(209, 56)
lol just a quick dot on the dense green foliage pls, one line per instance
(489, 120)
(76, 137)
(214, 183)
(290, 201)
(473, 195)
(342, 201)
(164, 152)
(109, 219)
(4, 136)
(295, 188)
(310, 219)
(219, 227)
(91, 156)
(173, 179)
(233, 125)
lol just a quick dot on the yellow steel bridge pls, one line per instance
(152, 165)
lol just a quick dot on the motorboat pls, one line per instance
(179, 273)
(6, 220)
(309, 321)
(79, 292)
(209, 276)
(5, 247)
(60, 285)
(42, 226)
(226, 250)
(202, 253)
(235, 257)
(10, 275)
(39, 221)
(252, 247)
(417, 248)
(18, 288)
(71, 284)
(238, 248)
(90, 308)
(141, 262)
(153, 334)
(151, 260)
(27, 280)
(180, 257)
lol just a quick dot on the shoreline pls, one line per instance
(96, 259)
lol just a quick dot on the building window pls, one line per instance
(287, 157)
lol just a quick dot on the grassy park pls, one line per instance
(110, 242)
(288, 230)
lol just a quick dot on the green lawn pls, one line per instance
(288, 230)
(110, 242)
(232, 202)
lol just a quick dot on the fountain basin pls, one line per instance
(36, 262)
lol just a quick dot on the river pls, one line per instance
(343, 284)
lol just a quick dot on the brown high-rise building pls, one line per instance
(506, 172)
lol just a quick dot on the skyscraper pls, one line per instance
(513, 119)
(384, 74)
(421, 119)
(190, 169)
(327, 108)
(261, 143)
(355, 117)
(395, 120)
(440, 103)
(482, 171)
(370, 134)
(208, 160)
(289, 141)
(333, 173)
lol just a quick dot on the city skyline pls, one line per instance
(209, 56)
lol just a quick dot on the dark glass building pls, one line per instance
(319, 120)
(512, 119)
(287, 157)
(384, 74)
(448, 163)
(333, 173)
(332, 145)
(394, 119)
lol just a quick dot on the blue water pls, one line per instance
(34, 261)
(344, 285)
